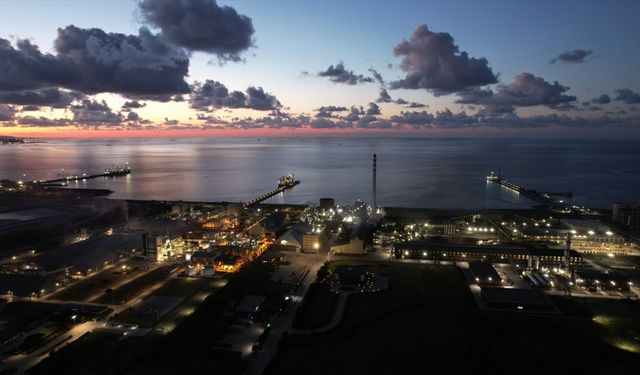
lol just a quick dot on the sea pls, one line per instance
(412, 172)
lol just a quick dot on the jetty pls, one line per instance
(542, 197)
(284, 183)
(108, 172)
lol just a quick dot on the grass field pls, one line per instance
(426, 323)
(86, 289)
(181, 287)
(20, 315)
(317, 307)
(133, 288)
(425, 310)
(93, 353)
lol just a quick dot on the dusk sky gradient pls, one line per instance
(552, 69)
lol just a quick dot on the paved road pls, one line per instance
(283, 323)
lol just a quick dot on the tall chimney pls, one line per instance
(374, 206)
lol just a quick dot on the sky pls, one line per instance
(189, 68)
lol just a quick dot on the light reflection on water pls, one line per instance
(439, 173)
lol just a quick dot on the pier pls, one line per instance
(109, 172)
(544, 198)
(270, 194)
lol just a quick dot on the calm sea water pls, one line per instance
(438, 173)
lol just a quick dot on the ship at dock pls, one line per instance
(287, 181)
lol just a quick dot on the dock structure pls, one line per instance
(109, 172)
(544, 198)
(270, 194)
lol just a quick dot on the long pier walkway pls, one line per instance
(270, 194)
(544, 198)
(109, 172)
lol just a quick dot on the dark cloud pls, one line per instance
(449, 120)
(377, 76)
(339, 74)
(413, 118)
(526, 90)
(383, 96)
(373, 109)
(42, 121)
(322, 123)
(433, 62)
(7, 113)
(602, 99)
(92, 61)
(49, 97)
(93, 112)
(574, 56)
(212, 95)
(133, 104)
(133, 116)
(29, 108)
(201, 25)
(260, 100)
(26, 68)
(124, 64)
(170, 122)
(328, 111)
(627, 96)
(416, 105)
(401, 101)
(354, 113)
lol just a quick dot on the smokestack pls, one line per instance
(567, 249)
(374, 206)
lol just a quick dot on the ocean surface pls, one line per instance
(412, 172)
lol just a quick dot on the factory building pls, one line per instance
(492, 254)
(302, 237)
(201, 263)
(352, 245)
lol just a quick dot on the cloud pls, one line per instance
(373, 109)
(212, 95)
(602, 99)
(201, 25)
(354, 113)
(93, 112)
(627, 96)
(377, 76)
(526, 90)
(92, 61)
(433, 62)
(133, 104)
(42, 121)
(260, 100)
(413, 118)
(50, 97)
(7, 113)
(25, 67)
(449, 120)
(416, 105)
(327, 111)
(339, 74)
(383, 96)
(322, 123)
(140, 64)
(573, 56)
